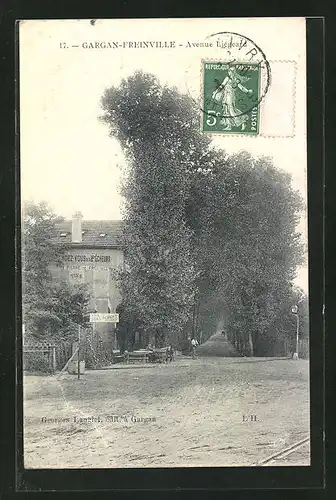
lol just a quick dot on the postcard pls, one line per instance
(165, 311)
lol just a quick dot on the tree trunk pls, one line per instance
(197, 318)
(193, 320)
(159, 338)
(250, 338)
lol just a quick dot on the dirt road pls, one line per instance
(203, 412)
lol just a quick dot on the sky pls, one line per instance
(67, 156)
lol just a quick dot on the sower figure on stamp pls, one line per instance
(226, 95)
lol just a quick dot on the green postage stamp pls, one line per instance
(231, 96)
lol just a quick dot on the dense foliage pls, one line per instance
(50, 310)
(210, 239)
(155, 128)
(248, 246)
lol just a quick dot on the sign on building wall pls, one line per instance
(76, 276)
(89, 257)
(109, 257)
(98, 269)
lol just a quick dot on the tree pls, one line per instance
(67, 304)
(49, 310)
(129, 323)
(156, 127)
(209, 238)
(250, 248)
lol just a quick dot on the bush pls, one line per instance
(36, 362)
(91, 362)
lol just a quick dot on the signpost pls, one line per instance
(104, 318)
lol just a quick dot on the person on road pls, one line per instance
(194, 344)
(169, 353)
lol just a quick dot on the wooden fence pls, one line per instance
(44, 356)
(52, 357)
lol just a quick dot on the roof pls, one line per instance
(95, 234)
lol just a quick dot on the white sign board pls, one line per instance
(104, 318)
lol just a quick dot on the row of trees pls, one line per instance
(210, 239)
(53, 312)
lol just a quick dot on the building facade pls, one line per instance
(92, 256)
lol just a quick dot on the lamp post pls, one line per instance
(297, 333)
(295, 310)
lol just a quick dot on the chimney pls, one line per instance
(77, 227)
